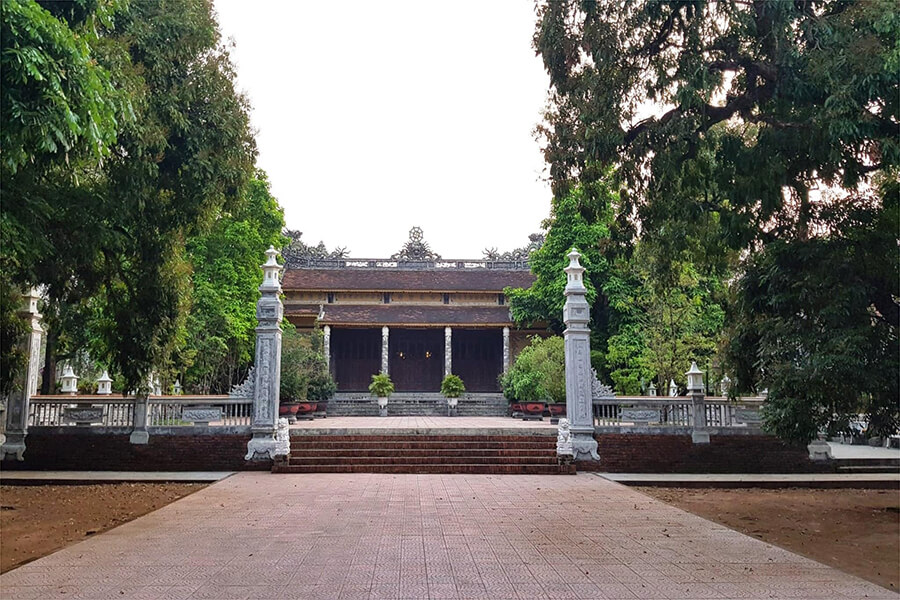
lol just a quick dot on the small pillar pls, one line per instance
(448, 351)
(673, 389)
(505, 349)
(385, 349)
(699, 435)
(651, 391)
(104, 384)
(176, 388)
(139, 434)
(326, 346)
(267, 364)
(576, 315)
(26, 383)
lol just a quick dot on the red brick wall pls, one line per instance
(647, 453)
(113, 452)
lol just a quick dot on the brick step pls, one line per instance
(303, 437)
(423, 460)
(867, 462)
(427, 446)
(455, 452)
(868, 469)
(523, 469)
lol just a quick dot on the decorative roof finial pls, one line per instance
(416, 249)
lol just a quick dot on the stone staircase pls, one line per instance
(423, 453)
(404, 404)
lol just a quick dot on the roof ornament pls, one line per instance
(415, 249)
(535, 241)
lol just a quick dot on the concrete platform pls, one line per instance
(868, 452)
(258, 535)
(75, 477)
(809, 480)
(415, 425)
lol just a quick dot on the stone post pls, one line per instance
(699, 434)
(576, 315)
(448, 351)
(267, 365)
(505, 349)
(326, 331)
(139, 434)
(26, 383)
(385, 350)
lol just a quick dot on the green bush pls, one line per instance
(304, 373)
(452, 386)
(381, 386)
(539, 373)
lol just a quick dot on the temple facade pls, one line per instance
(415, 316)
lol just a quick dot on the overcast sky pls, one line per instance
(373, 117)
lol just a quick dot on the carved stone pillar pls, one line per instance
(327, 346)
(576, 315)
(505, 349)
(139, 434)
(448, 351)
(26, 382)
(267, 366)
(385, 349)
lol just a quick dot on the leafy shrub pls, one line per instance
(304, 373)
(381, 386)
(452, 386)
(539, 373)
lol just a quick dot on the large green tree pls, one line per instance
(145, 141)
(766, 118)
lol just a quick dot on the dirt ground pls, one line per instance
(37, 520)
(856, 531)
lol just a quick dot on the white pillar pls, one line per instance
(385, 349)
(699, 434)
(576, 314)
(327, 345)
(267, 366)
(505, 349)
(448, 351)
(26, 382)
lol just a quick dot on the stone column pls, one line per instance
(505, 349)
(699, 434)
(25, 384)
(327, 346)
(139, 434)
(267, 365)
(576, 315)
(448, 351)
(385, 350)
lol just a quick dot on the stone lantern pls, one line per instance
(673, 389)
(69, 381)
(104, 384)
(695, 379)
(651, 391)
(176, 389)
(725, 385)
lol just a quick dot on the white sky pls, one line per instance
(376, 116)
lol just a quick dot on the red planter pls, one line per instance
(533, 410)
(557, 410)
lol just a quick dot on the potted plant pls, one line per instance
(452, 388)
(382, 388)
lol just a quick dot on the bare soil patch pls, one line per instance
(40, 519)
(856, 531)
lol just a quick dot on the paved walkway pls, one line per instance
(848, 451)
(43, 477)
(772, 480)
(258, 535)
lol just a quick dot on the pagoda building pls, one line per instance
(415, 316)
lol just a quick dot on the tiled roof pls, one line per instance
(376, 315)
(389, 280)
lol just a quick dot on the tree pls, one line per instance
(152, 95)
(304, 374)
(220, 338)
(755, 105)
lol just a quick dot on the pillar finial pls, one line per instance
(270, 269)
(574, 272)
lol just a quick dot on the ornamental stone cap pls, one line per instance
(270, 272)
(68, 372)
(105, 376)
(574, 272)
(694, 370)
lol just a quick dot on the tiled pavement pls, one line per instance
(258, 535)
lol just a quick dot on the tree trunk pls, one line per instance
(48, 378)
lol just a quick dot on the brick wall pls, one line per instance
(649, 453)
(79, 451)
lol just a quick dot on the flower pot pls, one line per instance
(452, 404)
(533, 411)
(306, 410)
(382, 406)
(289, 410)
(557, 411)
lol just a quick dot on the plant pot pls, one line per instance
(515, 409)
(306, 410)
(382, 406)
(557, 411)
(533, 411)
(289, 410)
(452, 404)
